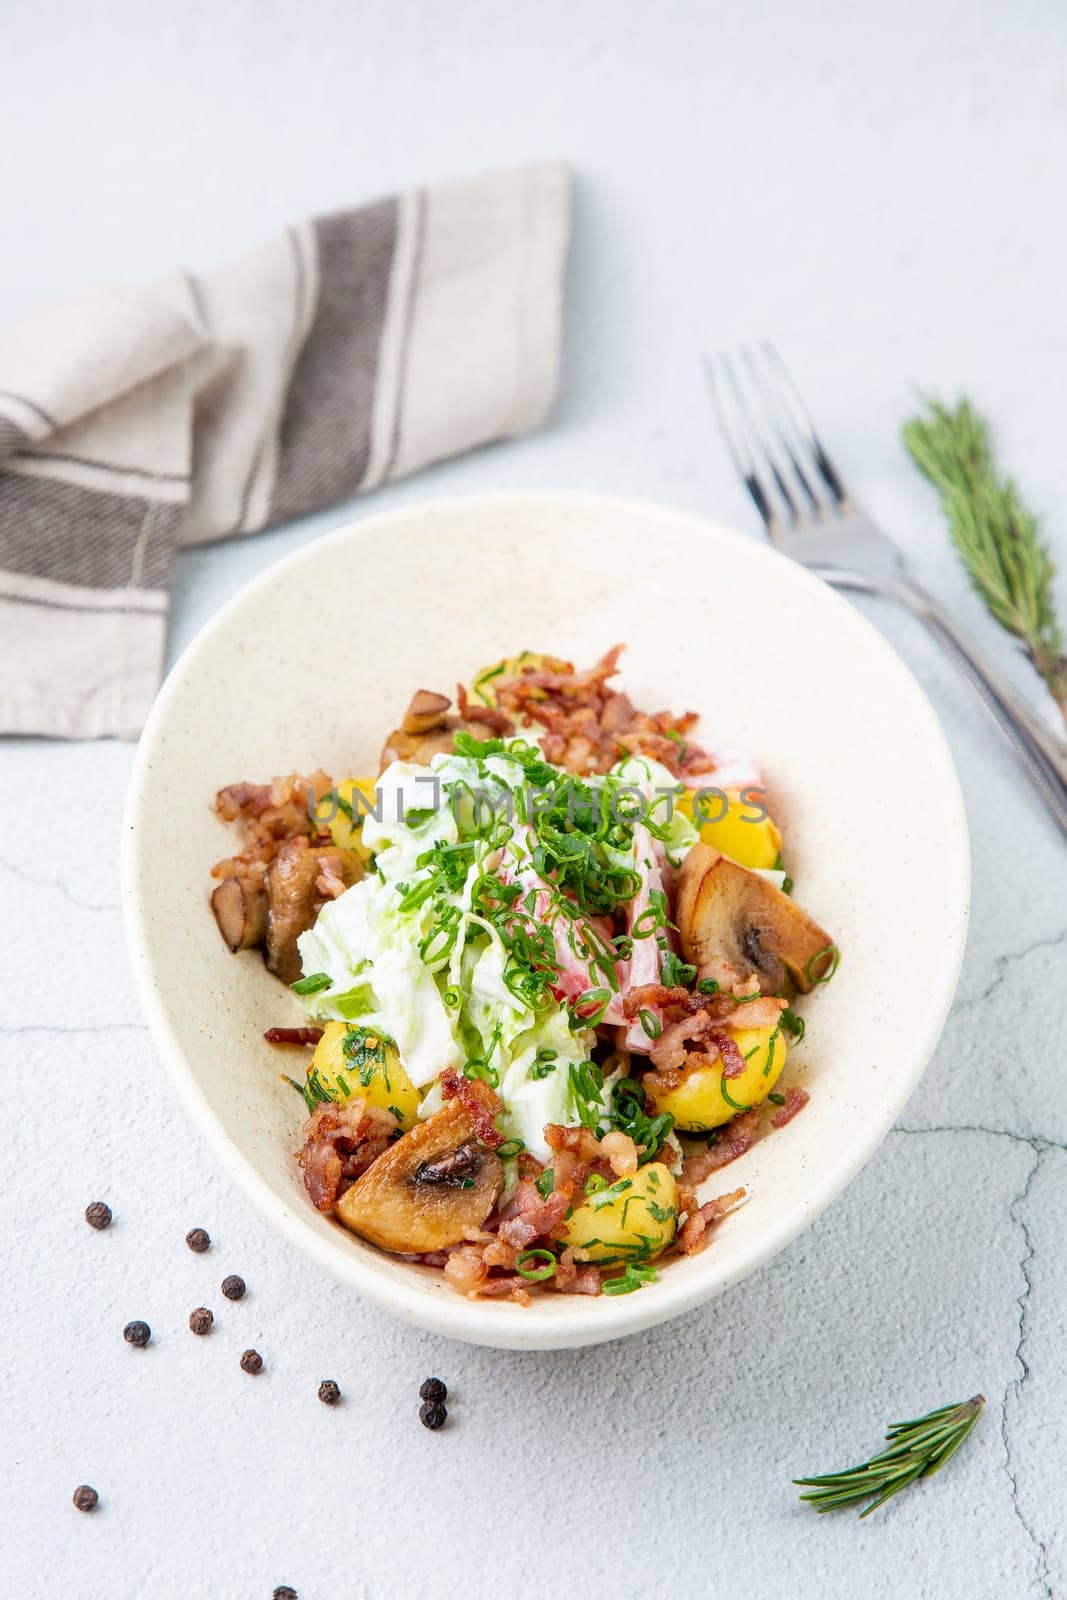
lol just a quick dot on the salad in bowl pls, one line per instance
(549, 958)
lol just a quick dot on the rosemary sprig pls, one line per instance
(917, 1449)
(994, 532)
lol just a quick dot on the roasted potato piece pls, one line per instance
(354, 796)
(356, 1061)
(634, 1219)
(433, 1188)
(241, 913)
(740, 832)
(295, 900)
(737, 927)
(706, 1098)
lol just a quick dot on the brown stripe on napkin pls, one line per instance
(124, 541)
(325, 436)
(345, 352)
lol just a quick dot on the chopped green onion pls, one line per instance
(651, 1024)
(312, 984)
(631, 1279)
(536, 1274)
(793, 1024)
(824, 977)
(510, 1147)
(543, 1183)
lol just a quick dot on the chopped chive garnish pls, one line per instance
(545, 1268)
(312, 984)
(824, 974)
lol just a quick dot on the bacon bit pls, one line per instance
(734, 1139)
(330, 883)
(478, 1100)
(733, 1060)
(293, 1035)
(588, 724)
(668, 1053)
(270, 814)
(655, 994)
(468, 1273)
(795, 1100)
(514, 1289)
(694, 1233)
(490, 716)
(465, 1269)
(340, 1142)
(762, 1013)
(535, 1217)
(621, 1153)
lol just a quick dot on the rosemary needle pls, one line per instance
(995, 533)
(917, 1449)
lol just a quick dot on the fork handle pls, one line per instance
(1042, 754)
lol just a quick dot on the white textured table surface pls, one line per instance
(884, 198)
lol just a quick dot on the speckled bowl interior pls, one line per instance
(313, 662)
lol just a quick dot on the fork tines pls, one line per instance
(771, 438)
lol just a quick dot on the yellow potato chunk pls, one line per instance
(482, 688)
(706, 1098)
(346, 828)
(633, 1219)
(740, 833)
(350, 1060)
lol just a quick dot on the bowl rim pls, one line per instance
(490, 1323)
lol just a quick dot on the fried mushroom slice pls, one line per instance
(295, 896)
(432, 1189)
(735, 926)
(428, 727)
(241, 912)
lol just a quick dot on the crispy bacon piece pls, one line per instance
(668, 1053)
(293, 1035)
(693, 1235)
(795, 1100)
(733, 1060)
(734, 1139)
(647, 995)
(589, 724)
(478, 1100)
(531, 1216)
(340, 1142)
(490, 717)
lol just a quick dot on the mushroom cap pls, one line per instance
(736, 926)
(433, 1188)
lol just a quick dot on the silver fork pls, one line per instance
(813, 517)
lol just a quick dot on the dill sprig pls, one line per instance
(994, 532)
(917, 1450)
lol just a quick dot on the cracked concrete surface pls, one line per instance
(661, 1464)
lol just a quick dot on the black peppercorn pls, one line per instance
(137, 1333)
(98, 1215)
(283, 1592)
(201, 1319)
(198, 1239)
(432, 1415)
(329, 1393)
(434, 1389)
(252, 1361)
(85, 1497)
(233, 1287)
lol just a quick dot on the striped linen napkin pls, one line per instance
(350, 350)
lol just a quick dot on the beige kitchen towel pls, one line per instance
(352, 349)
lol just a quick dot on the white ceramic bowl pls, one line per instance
(312, 663)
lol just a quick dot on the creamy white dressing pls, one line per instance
(369, 946)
